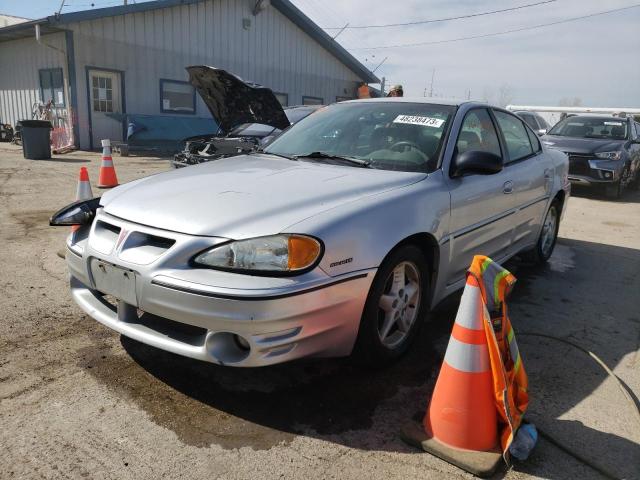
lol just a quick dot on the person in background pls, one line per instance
(396, 91)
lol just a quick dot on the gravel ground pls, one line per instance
(78, 400)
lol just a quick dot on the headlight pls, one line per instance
(286, 253)
(77, 213)
(610, 155)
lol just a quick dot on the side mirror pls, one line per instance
(474, 161)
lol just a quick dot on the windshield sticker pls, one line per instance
(617, 124)
(417, 120)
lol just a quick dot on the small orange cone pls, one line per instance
(84, 186)
(460, 425)
(83, 192)
(107, 177)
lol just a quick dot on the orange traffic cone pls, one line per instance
(107, 177)
(460, 425)
(84, 186)
(83, 192)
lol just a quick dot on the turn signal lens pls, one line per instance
(303, 251)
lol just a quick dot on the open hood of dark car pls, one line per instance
(232, 101)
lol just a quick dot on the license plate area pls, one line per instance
(112, 280)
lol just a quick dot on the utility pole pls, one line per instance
(433, 74)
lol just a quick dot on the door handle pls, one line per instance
(507, 187)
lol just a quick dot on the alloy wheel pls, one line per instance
(549, 232)
(399, 304)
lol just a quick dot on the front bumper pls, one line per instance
(588, 171)
(219, 317)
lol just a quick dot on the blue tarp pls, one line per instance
(165, 131)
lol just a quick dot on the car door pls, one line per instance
(531, 171)
(482, 206)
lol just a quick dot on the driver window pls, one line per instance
(478, 134)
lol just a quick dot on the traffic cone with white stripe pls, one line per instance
(107, 177)
(460, 425)
(83, 192)
(84, 186)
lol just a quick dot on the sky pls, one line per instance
(596, 60)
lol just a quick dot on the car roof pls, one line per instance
(599, 117)
(427, 100)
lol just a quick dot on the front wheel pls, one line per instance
(613, 191)
(396, 304)
(548, 236)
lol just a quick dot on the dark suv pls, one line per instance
(535, 121)
(603, 151)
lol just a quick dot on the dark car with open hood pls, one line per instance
(248, 116)
(604, 151)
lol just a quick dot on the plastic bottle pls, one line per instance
(524, 441)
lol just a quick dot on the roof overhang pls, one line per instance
(27, 30)
(53, 24)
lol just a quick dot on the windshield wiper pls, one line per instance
(281, 155)
(328, 156)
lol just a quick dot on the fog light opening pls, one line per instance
(227, 347)
(608, 174)
(242, 343)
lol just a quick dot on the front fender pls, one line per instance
(359, 235)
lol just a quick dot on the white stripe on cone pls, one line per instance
(84, 191)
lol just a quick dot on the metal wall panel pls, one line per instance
(20, 61)
(155, 44)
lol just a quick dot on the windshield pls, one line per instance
(591, 127)
(387, 135)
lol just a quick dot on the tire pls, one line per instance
(635, 184)
(613, 191)
(387, 332)
(545, 245)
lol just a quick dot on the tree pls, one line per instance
(570, 102)
(505, 95)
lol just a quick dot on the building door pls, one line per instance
(105, 106)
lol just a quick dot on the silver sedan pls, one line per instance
(336, 239)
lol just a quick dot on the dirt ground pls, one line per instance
(79, 401)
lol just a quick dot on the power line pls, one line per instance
(494, 34)
(436, 20)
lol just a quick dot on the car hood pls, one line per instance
(232, 101)
(246, 196)
(581, 145)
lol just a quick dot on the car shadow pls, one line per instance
(582, 295)
(628, 196)
(58, 159)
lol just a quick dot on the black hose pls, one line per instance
(578, 456)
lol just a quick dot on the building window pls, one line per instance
(177, 97)
(102, 87)
(312, 101)
(344, 99)
(51, 86)
(283, 98)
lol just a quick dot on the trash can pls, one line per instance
(36, 142)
